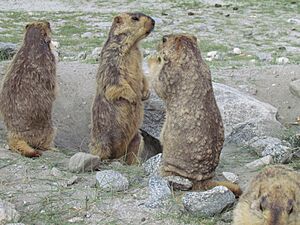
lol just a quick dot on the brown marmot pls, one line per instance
(117, 110)
(28, 93)
(271, 198)
(192, 136)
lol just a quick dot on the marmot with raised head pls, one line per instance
(192, 136)
(117, 110)
(271, 198)
(28, 92)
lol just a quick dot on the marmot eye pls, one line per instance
(164, 39)
(135, 18)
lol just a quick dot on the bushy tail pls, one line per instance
(208, 184)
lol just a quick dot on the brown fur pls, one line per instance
(193, 133)
(271, 198)
(117, 110)
(28, 93)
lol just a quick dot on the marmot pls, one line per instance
(117, 110)
(192, 136)
(271, 198)
(28, 93)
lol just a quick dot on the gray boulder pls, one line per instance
(83, 162)
(7, 50)
(110, 180)
(159, 192)
(179, 183)
(8, 212)
(208, 203)
(151, 166)
(295, 88)
(256, 164)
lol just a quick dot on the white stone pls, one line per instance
(237, 51)
(82, 162)
(110, 180)
(231, 177)
(282, 60)
(260, 162)
(213, 55)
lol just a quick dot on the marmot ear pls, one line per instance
(118, 19)
(27, 26)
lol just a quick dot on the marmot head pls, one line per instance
(38, 33)
(129, 28)
(177, 48)
(275, 198)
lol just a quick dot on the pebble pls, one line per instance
(231, 177)
(82, 162)
(282, 60)
(260, 162)
(237, 51)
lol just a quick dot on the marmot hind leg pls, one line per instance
(134, 149)
(101, 150)
(19, 145)
(46, 142)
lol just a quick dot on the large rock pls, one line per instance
(7, 50)
(82, 162)
(208, 203)
(8, 213)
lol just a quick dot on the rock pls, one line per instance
(15, 224)
(55, 44)
(56, 172)
(82, 162)
(8, 213)
(263, 56)
(293, 21)
(282, 60)
(240, 111)
(159, 192)
(237, 51)
(227, 216)
(96, 53)
(278, 152)
(7, 50)
(179, 183)
(110, 180)
(82, 55)
(295, 88)
(73, 180)
(151, 166)
(87, 35)
(208, 203)
(213, 55)
(231, 177)
(260, 162)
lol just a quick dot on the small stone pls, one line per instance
(56, 172)
(82, 55)
(231, 177)
(82, 162)
(8, 212)
(151, 166)
(110, 180)
(282, 60)
(55, 44)
(213, 55)
(208, 59)
(73, 180)
(293, 21)
(260, 162)
(96, 53)
(295, 88)
(208, 203)
(159, 192)
(179, 183)
(76, 220)
(87, 35)
(237, 51)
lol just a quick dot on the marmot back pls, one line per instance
(28, 93)
(271, 198)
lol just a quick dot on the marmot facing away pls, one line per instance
(28, 93)
(193, 134)
(272, 198)
(117, 110)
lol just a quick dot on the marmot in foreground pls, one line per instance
(117, 110)
(28, 93)
(192, 136)
(272, 198)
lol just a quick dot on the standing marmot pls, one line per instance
(272, 198)
(192, 136)
(117, 111)
(28, 93)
